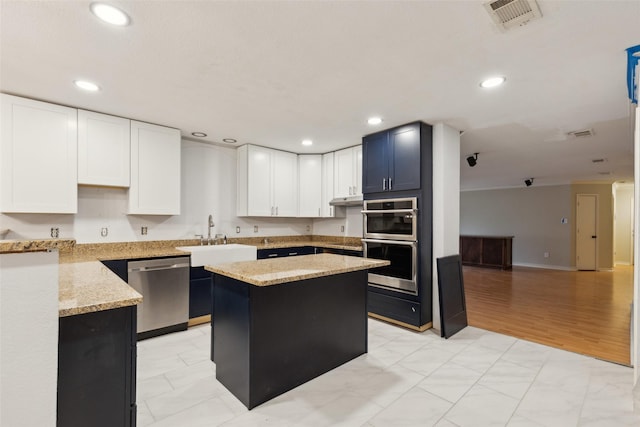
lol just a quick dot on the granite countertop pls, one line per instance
(266, 272)
(318, 244)
(86, 285)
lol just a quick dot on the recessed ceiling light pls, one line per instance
(83, 84)
(199, 134)
(493, 82)
(374, 120)
(110, 14)
(307, 142)
(230, 140)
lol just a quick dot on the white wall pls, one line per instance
(635, 323)
(532, 215)
(28, 339)
(352, 223)
(446, 202)
(208, 187)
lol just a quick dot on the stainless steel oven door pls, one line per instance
(401, 275)
(393, 219)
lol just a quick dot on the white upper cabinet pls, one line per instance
(267, 182)
(327, 185)
(38, 157)
(155, 170)
(310, 174)
(103, 149)
(348, 172)
(285, 183)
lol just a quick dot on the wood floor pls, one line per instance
(585, 312)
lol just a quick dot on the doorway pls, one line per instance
(587, 232)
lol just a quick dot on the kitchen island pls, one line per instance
(282, 322)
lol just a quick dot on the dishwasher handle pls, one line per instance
(160, 267)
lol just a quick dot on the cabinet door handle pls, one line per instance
(318, 211)
(330, 210)
(276, 211)
(384, 184)
(389, 183)
(272, 255)
(271, 210)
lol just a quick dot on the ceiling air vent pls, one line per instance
(581, 133)
(512, 13)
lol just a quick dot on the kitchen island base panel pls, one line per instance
(268, 340)
(97, 369)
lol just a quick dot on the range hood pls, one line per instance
(347, 201)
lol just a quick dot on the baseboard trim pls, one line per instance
(200, 320)
(546, 266)
(403, 324)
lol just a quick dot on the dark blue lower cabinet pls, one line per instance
(399, 309)
(200, 292)
(282, 252)
(337, 251)
(97, 369)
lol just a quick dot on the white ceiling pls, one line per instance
(276, 72)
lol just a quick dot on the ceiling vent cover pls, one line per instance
(512, 13)
(581, 133)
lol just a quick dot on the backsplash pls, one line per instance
(208, 187)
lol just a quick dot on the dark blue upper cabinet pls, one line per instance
(375, 162)
(391, 160)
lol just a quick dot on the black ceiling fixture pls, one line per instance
(528, 182)
(472, 160)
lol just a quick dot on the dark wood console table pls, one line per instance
(487, 251)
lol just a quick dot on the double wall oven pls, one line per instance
(391, 233)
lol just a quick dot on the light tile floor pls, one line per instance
(476, 378)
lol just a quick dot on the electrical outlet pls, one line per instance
(342, 228)
(255, 228)
(55, 232)
(546, 254)
(143, 230)
(104, 231)
(237, 229)
(308, 228)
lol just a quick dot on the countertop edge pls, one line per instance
(227, 270)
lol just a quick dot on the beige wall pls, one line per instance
(605, 221)
(623, 224)
(531, 214)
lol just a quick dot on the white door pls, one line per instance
(310, 185)
(586, 231)
(155, 170)
(38, 157)
(259, 197)
(103, 149)
(357, 169)
(285, 183)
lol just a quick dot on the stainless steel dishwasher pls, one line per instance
(164, 285)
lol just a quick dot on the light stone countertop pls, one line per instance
(85, 287)
(267, 272)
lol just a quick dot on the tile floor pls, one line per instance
(476, 378)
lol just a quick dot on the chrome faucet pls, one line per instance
(211, 225)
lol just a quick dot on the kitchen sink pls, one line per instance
(219, 254)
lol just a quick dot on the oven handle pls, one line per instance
(395, 242)
(389, 211)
